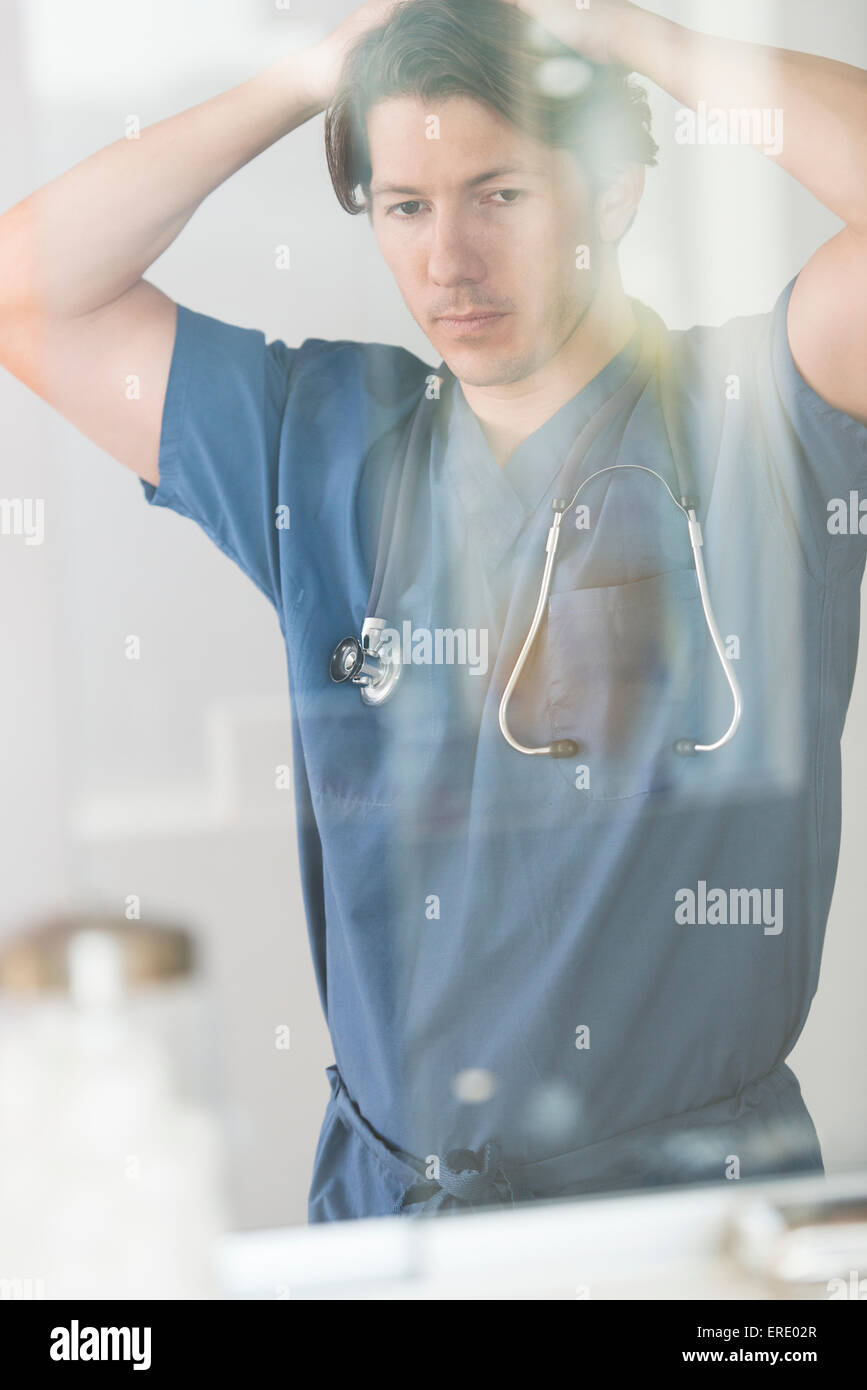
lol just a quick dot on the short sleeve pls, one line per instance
(220, 440)
(818, 453)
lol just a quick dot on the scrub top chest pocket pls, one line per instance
(624, 670)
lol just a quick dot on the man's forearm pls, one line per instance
(824, 103)
(83, 239)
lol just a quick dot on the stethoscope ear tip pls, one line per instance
(564, 748)
(686, 747)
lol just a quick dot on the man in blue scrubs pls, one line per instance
(542, 976)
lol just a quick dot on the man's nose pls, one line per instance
(453, 258)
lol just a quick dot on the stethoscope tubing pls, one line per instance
(687, 506)
(696, 542)
(399, 493)
(710, 621)
(541, 606)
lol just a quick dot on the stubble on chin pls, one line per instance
(492, 374)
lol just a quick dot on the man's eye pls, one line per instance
(412, 203)
(511, 194)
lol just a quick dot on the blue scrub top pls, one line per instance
(548, 977)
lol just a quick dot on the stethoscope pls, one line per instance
(375, 667)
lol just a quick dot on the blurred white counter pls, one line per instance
(677, 1244)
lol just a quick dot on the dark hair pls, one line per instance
(492, 52)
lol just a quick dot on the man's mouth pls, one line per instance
(463, 324)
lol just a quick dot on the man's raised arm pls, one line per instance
(76, 317)
(820, 138)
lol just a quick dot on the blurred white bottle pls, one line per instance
(111, 1164)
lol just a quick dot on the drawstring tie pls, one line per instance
(466, 1178)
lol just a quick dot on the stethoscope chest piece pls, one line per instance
(369, 663)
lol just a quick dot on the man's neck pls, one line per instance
(508, 414)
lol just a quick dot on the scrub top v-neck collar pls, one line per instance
(498, 501)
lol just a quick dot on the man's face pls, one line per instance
(482, 220)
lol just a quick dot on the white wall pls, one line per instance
(141, 777)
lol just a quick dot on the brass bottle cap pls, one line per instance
(42, 956)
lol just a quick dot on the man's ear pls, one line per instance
(620, 191)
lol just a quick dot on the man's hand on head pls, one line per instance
(326, 58)
(594, 32)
